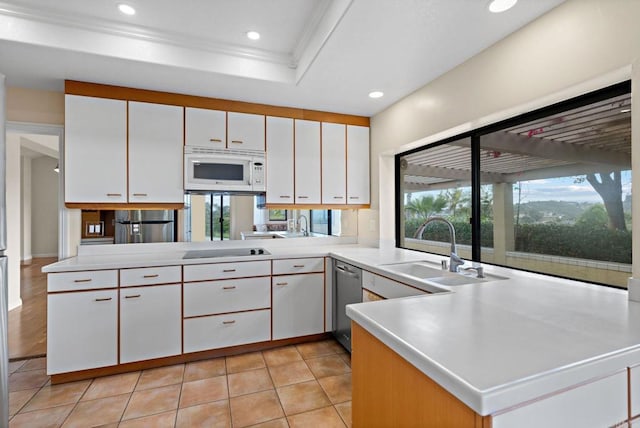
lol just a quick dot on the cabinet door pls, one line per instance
(95, 153)
(279, 160)
(82, 330)
(205, 128)
(307, 162)
(298, 305)
(150, 322)
(245, 131)
(358, 165)
(334, 164)
(634, 390)
(155, 153)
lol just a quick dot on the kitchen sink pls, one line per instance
(419, 270)
(431, 274)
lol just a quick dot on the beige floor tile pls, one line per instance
(204, 391)
(162, 376)
(255, 408)
(302, 397)
(284, 355)
(346, 358)
(250, 381)
(243, 362)
(316, 349)
(276, 423)
(18, 399)
(210, 415)
(204, 369)
(344, 409)
(27, 380)
(152, 401)
(46, 418)
(162, 420)
(337, 388)
(14, 366)
(57, 395)
(331, 365)
(34, 364)
(326, 417)
(110, 386)
(291, 373)
(97, 412)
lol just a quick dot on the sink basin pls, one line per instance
(429, 273)
(417, 270)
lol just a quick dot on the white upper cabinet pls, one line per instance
(155, 153)
(279, 160)
(334, 164)
(205, 128)
(307, 162)
(95, 165)
(358, 181)
(245, 131)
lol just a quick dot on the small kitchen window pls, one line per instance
(548, 191)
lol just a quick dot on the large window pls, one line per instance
(549, 191)
(207, 217)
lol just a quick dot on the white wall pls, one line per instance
(241, 214)
(14, 219)
(580, 46)
(44, 207)
(25, 229)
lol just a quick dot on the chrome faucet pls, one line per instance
(304, 231)
(454, 260)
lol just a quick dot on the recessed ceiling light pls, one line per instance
(253, 35)
(376, 94)
(497, 6)
(126, 9)
(625, 110)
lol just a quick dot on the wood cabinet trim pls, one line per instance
(97, 90)
(124, 206)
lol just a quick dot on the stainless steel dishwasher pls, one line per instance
(347, 282)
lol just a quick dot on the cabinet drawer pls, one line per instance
(86, 280)
(220, 331)
(634, 390)
(226, 270)
(291, 266)
(387, 288)
(147, 276)
(232, 295)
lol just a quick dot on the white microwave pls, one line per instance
(223, 170)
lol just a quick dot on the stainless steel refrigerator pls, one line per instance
(4, 352)
(136, 226)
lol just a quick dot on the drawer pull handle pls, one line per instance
(230, 287)
(83, 280)
(303, 197)
(229, 322)
(215, 140)
(133, 296)
(285, 197)
(298, 266)
(114, 194)
(155, 275)
(104, 299)
(282, 283)
(228, 270)
(354, 197)
(337, 197)
(236, 141)
(140, 194)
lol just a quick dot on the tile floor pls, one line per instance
(307, 385)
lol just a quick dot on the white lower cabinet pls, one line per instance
(150, 322)
(82, 330)
(387, 288)
(634, 391)
(231, 295)
(298, 305)
(221, 331)
(601, 403)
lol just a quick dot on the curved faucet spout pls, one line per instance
(454, 260)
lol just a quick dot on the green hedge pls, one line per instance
(549, 239)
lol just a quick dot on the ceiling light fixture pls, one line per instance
(126, 9)
(497, 6)
(253, 35)
(376, 94)
(625, 110)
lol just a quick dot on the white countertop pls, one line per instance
(493, 345)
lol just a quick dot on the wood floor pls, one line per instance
(28, 323)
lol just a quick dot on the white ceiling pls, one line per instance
(315, 54)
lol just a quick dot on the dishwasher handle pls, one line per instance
(346, 271)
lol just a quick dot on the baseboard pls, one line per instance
(25, 262)
(35, 256)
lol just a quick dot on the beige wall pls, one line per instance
(44, 207)
(35, 106)
(14, 244)
(581, 45)
(25, 195)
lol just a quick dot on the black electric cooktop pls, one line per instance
(224, 252)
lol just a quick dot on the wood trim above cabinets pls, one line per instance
(124, 206)
(131, 94)
(317, 206)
